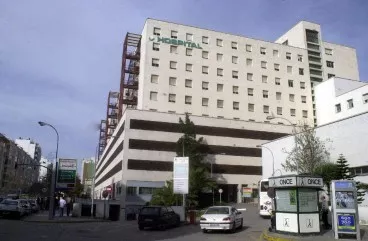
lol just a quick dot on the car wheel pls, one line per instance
(233, 228)
(204, 230)
(241, 224)
(177, 223)
(141, 227)
(162, 227)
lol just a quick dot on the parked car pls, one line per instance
(221, 218)
(26, 205)
(157, 217)
(34, 206)
(12, 208)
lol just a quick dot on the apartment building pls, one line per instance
(339, 98)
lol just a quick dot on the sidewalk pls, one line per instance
(43, 217)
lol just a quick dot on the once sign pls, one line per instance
(282, 182)
(310, 181)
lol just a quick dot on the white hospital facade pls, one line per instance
(229, 84)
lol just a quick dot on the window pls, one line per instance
(154, 79)
(263, 51)
(155, 62)
(131, 191)
(301, 71)
(275, 53)
(264, 78)
(328, 51)
(156, 47)
(266, 109)
(219, 57)
(153, 96)
(350, 104)
(300, 58)
(338, 108)
(251, 107)
(204, 85)
(277, 81)
(220, 72)
(174, 34)
(276, 67)
(234, 59)
(173, 49)
(288, 56)
(305, 114)
(172, 98)
(330, 64)
(265, 94)
(156, 31)
(302, 85)
(234, 45)
(189, 37)
(235, 105)
(219, 42)
(188, 100)
(173, 65)
(204, 69)
(235, 74)
(205, 54)
(204, 101)
(147, 190)
(188, 83)
(172, 81)
(291, 83)
(248, 48)
(250, 76)
(250, 91)
(249, 62)
(204, 40)
(220, 87)
(220, 104)
(304, 99)
(189, 67)
(330, 76)
(278, 95)
(279, 110)
(235, 89)
(292, 112)
(365, 98)
(189, 52)
(290, 69)
(291, 97)
(263, 64)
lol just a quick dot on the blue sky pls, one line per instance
(59, 59)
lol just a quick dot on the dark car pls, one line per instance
(157, 217)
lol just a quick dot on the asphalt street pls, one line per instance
(15, 230)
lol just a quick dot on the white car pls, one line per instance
(15, 208)
(221, 218)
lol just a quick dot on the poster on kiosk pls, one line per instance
(344, 205)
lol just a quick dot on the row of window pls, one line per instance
(350, 103)
(205, 85)
(220, 71)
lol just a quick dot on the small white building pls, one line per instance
(43, 171)
(338, 98)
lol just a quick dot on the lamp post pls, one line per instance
(271, 117)
(53, 179)
(273, 158)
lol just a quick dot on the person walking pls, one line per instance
(325, 212)
(62, 204)
(68, 205)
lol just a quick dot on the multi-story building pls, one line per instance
(17, 167)
(45, 163)
(228, 84)
(87, 175)
(339, 98)
(32, 148)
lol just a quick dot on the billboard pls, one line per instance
(66, 173)
(181, 175)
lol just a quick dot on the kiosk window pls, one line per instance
(308, 200)
(286, 201)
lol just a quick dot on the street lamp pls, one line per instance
(53, 179)
(271, 117)
(273, 158)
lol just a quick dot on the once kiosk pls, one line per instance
(296, 203)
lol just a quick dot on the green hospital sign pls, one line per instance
(174, 41)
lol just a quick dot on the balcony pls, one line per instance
(132, 70)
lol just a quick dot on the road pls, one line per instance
(15, 230)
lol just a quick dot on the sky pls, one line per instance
(59, 59)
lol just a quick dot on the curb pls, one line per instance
(266, 236)
(66, 221)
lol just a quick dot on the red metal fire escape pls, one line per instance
(111, 114)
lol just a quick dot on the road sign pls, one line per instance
(247, 192)
(181, 175)
(66, 173)
(220, 190)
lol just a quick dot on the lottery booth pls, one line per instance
(296, 203)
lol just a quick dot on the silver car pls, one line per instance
(12, 208)
(221, 218)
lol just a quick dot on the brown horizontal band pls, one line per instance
(112, 157)
(118, 167)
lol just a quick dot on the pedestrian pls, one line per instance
(68, 205)
(325, 212)
(62, 204)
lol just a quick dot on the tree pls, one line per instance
(165, 196)
(78, 188)
(328, 171)
(309, 152)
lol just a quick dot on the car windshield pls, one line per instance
(9, 202)
(150, 211)
(218, 210)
